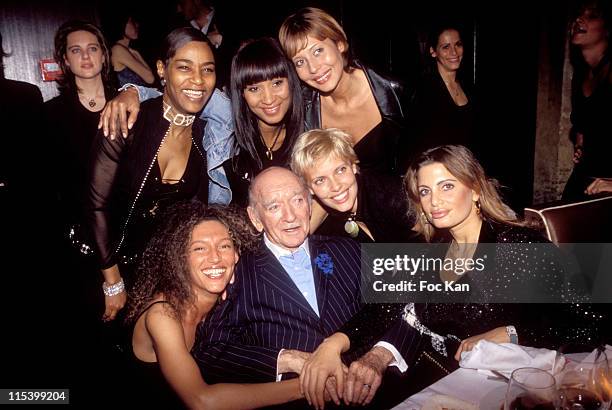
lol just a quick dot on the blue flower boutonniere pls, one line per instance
(324, 262)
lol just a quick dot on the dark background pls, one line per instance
(502, 55)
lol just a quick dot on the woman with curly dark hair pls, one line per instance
(184, 271)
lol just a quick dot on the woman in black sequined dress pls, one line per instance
(459, 205)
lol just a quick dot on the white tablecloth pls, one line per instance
(464, 384)
(468, 385)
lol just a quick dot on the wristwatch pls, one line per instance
(511, 330)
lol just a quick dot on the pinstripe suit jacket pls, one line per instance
(265, 312)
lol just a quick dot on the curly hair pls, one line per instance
(164, 268)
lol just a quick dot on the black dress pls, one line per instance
(126, 195)
(73, 128)
(149, 386)
(437, 120)
(381, 205)
(242, 168)
(384, 148)
(591, 117)
(444, 325)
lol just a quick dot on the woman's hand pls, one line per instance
(578, 148)
(599, 185)
(324, 363)
(114, 115)
(497, 335)
(113, 304)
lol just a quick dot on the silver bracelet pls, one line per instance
(114, 289)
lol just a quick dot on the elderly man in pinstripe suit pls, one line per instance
(289, 295)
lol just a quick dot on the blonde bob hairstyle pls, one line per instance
(462, 164)
(314, 145)
(314, 22)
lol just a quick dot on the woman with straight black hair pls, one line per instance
(268, 112)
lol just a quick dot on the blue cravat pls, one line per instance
(299, 268)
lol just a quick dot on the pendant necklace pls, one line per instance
(350, 226)
(92, 102)
(269, 152)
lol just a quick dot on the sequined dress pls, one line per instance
(444, 325)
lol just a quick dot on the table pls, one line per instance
(465, 384)
(468, 385)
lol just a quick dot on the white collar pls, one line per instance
(277, 251)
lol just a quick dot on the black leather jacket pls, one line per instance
(391, 100)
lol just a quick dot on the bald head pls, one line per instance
(279, 205)
(268, 177)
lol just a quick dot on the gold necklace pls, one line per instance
(91, 101)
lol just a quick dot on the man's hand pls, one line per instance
(114, 115)
(365, 376)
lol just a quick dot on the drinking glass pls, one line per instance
(531, 388)
(585, 384)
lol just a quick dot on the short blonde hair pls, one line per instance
(314, 22)
(316, 144)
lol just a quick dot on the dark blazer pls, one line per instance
(265, 313)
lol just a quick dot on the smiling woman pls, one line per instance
(342, 93)
(351, 200)
(268, 111)
(185, 270)
(444, 110)
(158, 164)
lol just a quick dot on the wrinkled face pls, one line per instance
(282, 208)
(332, 180)
(269, 100)
(131, 29)
(84, 55)
(190, 77)
(211, 256)
(447, 202)
(449, 50)
(588, 28)
(320, 64)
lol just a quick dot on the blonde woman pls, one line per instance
(349, 200)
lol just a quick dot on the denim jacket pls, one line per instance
(218, 140)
